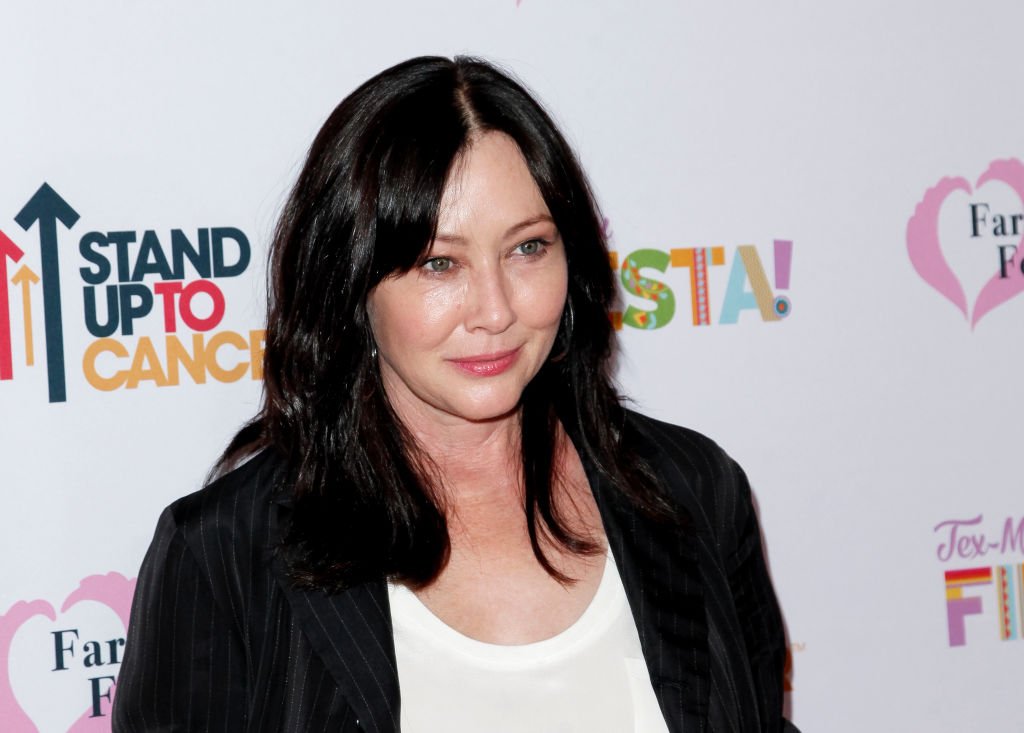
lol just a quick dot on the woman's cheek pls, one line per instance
(545, 295)
(444, 296)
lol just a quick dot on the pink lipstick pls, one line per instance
(487, 365)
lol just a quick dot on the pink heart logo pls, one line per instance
(925, 250)
(112, 590)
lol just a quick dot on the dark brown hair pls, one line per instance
(365, 206)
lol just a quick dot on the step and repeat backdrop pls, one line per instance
(816, 212)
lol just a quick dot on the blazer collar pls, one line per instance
(660, 571)
(352, 634)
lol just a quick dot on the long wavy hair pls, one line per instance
(364, 503)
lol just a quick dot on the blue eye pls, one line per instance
(438, 264)
(534, 246)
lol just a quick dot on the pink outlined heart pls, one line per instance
(926, 253)
(112, 590)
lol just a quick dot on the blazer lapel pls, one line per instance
(351, 632)
(659, 568)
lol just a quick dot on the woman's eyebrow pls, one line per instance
(527, 223)
(450, 238)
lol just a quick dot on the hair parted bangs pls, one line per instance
(365, 206)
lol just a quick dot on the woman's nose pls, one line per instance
(489, 303)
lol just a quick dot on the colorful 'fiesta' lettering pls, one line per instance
(746, 268)
(201, 358)
(1009, 587)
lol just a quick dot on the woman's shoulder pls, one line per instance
(234, 508)
(690, 465)
(222, 536)
(665, 442)
(686, 439)
(252, 481)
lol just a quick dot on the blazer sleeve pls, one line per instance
(756, 605)
(184, 663)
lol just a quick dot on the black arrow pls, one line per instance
(47, 207)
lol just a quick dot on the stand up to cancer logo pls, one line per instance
(166, 279)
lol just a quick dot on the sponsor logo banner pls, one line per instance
(131, 283)
(983, 588)
(964, 239)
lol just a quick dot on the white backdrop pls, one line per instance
(877, 424)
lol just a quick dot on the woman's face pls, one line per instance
(461, 334)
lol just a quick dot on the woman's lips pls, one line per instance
(487, 365)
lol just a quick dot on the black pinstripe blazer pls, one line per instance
(219, 640)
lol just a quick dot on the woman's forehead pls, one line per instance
(490, 186)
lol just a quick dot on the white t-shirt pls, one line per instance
(591, 678)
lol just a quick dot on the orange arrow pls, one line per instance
(26, 278)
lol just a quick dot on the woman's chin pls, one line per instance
(490, 414)
(491, 409)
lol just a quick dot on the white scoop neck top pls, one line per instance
(590, 678)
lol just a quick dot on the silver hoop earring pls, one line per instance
(373, 351)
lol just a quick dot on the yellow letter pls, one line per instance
(177, 355)
(145, 365)
(257, 342)
(106, 384)
(213, 366)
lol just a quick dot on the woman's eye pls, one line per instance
(438, 264)
(534, 246)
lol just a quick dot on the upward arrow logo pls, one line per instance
(48, 208)
(26, 279)
(8, 250)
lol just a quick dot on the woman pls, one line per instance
(442, 493)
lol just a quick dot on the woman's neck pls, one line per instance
(474, 459)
